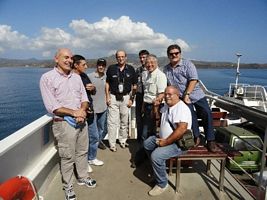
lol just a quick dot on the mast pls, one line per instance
(237, 69)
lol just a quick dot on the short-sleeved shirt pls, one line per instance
(180, 76)
(127, 77)
(176, 114)
(99, 99)
(61, 90)
(155, 83)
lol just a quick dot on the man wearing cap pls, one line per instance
(98, 78)
(120, 92)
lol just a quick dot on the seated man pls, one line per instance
(164, 147)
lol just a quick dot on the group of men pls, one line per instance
(86, 108)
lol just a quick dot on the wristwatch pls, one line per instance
(187, 93)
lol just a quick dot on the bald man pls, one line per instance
(64, 96)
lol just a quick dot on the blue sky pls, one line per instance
(208, 30)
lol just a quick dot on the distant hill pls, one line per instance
(133, 59)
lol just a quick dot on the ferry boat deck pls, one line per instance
(117, 180)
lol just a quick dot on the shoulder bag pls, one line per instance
(187, 141)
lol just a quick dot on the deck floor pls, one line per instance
(117, 180)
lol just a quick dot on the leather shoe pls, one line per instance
(197, 141)
(101, 145)
(212, 146)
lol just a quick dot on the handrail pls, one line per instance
(256, 116)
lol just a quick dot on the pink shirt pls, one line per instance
(61, 90)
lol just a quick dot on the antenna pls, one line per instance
(237, 69)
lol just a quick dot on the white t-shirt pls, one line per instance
(177, 113)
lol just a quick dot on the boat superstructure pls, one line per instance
(254, 96)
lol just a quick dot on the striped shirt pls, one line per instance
(61, 90)
(180, 76)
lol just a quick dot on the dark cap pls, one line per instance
(101, 61)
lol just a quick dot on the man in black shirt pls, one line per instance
(120, 92)
(141, 74)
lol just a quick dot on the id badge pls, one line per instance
(120, 87)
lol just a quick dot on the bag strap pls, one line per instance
(169, 120)
(172, 124)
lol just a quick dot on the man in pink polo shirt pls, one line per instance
(65, 97)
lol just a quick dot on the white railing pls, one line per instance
(29, 151)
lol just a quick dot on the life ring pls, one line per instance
(18, 188)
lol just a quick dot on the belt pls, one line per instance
(57, 119)
(148, 104)
(120, 93)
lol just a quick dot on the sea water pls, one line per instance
(21, 102)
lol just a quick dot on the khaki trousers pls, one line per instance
(72, 145)
(118, 114)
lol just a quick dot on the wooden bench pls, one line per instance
(199, 153)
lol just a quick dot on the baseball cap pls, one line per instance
(101, 61)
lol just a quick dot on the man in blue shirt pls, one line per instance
(182, 73)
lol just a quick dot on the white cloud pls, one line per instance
(93, 39)
(51, 39)
(11, 40)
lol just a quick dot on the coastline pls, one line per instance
(132, 60)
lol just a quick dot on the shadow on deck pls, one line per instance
(117, 180)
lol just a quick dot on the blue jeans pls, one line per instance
(97, 130)
(202, 111)
(149, 123)
(93, 137)
(138, 115)
(101, 123)
(158, 156)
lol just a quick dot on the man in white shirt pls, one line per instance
(164, 147)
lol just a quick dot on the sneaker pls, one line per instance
(90, 170)
(69, 193)
(96, 162)
(113, 149)
(212, 146)
(124, 145)
(101, 145)
(156, 190)
(89, 182)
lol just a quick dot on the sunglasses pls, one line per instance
(174, 54)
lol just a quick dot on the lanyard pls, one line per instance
(123, 74)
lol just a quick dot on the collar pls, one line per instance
(177, 65)
(63, 74)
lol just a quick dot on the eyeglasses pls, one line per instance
(174, 54)
(169, 95)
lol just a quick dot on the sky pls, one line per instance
(206, 30)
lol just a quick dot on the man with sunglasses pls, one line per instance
(182, 73)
